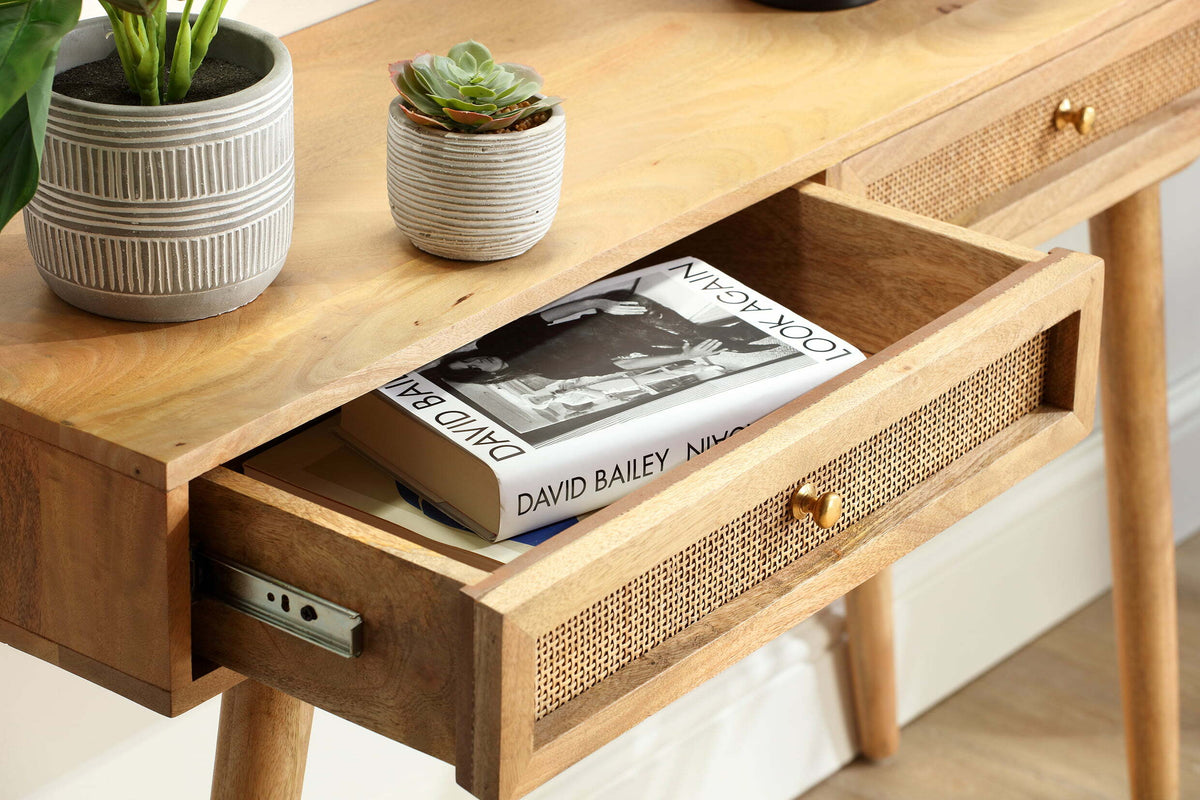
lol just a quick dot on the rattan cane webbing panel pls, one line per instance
(680, 591)
(949, 183)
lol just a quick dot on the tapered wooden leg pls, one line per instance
(873, 666)
(262, 744)
(1133, 383)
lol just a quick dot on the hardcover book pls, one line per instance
(569, 408)
(314, 463)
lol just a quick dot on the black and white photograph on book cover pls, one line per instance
(627, 348)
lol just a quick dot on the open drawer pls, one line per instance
(983, 369)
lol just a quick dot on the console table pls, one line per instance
(880, 170)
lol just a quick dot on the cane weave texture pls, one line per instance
(950, 183)
(681, 590)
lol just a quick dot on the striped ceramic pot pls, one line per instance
(167, 213)
(474, 196)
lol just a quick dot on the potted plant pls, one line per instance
(475, 154)
(175, 207)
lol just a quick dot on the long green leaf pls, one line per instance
(124, 50)
(29, 31)
(22, 136)
(180, 79)
(152, 63)
(160, 25)
(205, 29)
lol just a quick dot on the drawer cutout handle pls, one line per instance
(1082, 118)
(824, 508)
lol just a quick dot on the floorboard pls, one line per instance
(1044, 724)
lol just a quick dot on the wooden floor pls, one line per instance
(1046, 723)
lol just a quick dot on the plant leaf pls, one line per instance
(205, 29)
(180, 77)
(447, 70)
(22, 135)
(124, 49)
(525, 74)
(422, 119)
(471, 118)
(427, 74)
(405, 81)
(28, 33)
(500, 123)
(473, 50)
(501, 82)
(461, 105)
(518, 93)
(541, 105)
(470, 90)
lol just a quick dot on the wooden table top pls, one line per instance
(679, 113)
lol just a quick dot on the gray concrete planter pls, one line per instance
(167, 213)
(474, 196)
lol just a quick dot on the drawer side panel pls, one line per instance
(683, 589)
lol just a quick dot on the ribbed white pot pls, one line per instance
(474, 196)
(167, 213)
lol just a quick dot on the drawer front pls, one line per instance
(577, 642)
(973, 161)
(679, 592)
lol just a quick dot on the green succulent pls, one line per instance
(467, 90)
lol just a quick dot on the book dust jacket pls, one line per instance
(582, 401)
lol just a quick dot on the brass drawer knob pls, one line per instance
(1083, 118)
(825, 509)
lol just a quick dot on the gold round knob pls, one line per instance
(825, 509)
(1083, 118)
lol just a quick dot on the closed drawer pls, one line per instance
(1000, 164)
(982, 370)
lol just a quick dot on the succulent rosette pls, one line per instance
(468, 91)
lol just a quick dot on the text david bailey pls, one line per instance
(618, 474)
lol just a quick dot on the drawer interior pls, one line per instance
(873, 280)
(872, 285)
(981, 371)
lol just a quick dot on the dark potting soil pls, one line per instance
(103, 81)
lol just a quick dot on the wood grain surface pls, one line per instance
(871, 650)
(405, 683)
(262, 745)
(96, 562)
(680, 114)
(1134, 401)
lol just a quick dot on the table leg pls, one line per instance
(873, 666)
(262, 744)
(1133, 384)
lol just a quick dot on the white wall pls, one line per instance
(768, 727)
